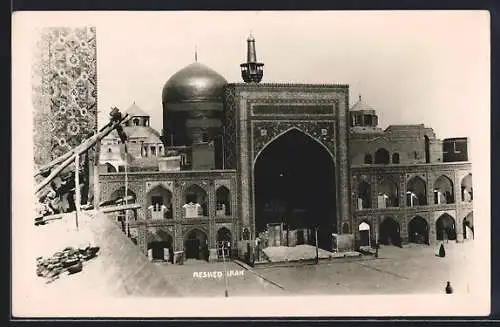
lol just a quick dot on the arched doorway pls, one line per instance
(416, 194)
(364, 195)
(388, 194)
(445, 228)
(382, 156)
(395, 158)
(195, 202)
(364, 234)
(196, 245)
(466, 185)
(224, 243)
(443, 190)
(160, 246)
(295, 186)
(119, 195)
(110, 168)
(468, 226)
(159, 203)
(418, 231)
(223, 201)
(389, 232)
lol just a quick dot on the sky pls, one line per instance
(412, 67)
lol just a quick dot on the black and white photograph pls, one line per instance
(251, 163)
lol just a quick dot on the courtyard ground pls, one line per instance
(412, 270)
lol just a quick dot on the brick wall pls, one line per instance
(406, 140)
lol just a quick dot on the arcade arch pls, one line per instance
(294, 183)
(160, 246)
(389, 232)
(224, 242)
(364, 195)
(223, 201)
(443, 190)
(196, 199)
(382, 156)
(466, 186)
(418, 230)
(159, 202)
(416, 193)
(388, 194)
(110, 168)
(445, 228)
(196, 245)
(364, 229)
(468, 226)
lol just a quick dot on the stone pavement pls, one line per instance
(414, 270)
(247, 284)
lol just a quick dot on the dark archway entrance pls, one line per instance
(196, 246)
(160, 246)
(445, 228)
(418, 231)
(224, 243)
(468, 226)
(295, 186)
(389, 232)
(364, 234)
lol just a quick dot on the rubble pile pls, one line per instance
(70, 260)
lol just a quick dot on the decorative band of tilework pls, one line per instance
(64, 90)
(292, 109)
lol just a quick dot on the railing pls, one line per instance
(157, 215)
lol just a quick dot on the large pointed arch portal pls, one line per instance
(294, 180)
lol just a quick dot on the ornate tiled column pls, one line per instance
(244, 166)
(430, 188)
(457, 190)
(402, 190)
(211, 214)
(64, 90)
(342, 136)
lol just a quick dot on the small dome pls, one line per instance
(194, 83)
(135, 111)
(361, 106)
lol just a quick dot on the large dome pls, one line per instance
(194, 83)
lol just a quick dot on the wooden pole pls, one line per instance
(77, 188)
(317, 251)
(226, 293)
(126, 190)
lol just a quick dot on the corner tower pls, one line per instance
(252, 71)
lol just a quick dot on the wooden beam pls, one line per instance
(80, 149)
(130, 206)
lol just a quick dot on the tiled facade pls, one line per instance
(258, 114)
(207, 119)
(146, 227)
(404, 213)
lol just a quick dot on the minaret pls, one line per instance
(252, 71)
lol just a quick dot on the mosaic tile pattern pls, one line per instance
(64, 90)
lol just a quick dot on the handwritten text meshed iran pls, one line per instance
(217, 274)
